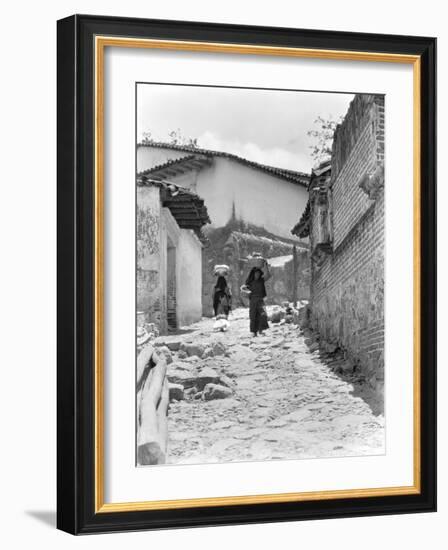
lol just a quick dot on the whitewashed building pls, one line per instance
(168, 254)
(250, 205)
(231, 186)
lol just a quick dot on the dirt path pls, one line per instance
(285, 403)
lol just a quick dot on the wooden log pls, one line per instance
(139, 398)
(143, 362)
(151, 444)
(162, 416)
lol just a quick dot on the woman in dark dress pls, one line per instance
(257, 312)
(222, 297)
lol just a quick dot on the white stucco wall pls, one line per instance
(188, 269)
(189, 278)
(260, 199)
(169, 235)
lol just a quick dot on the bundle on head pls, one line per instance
(221, 270)
(255, 260)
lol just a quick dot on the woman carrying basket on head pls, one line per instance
(222, 295)
(255, 287)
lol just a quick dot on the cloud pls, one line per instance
(273, 156)
(266, 126)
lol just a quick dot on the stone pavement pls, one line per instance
(275, 398)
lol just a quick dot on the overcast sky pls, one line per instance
(265, 126)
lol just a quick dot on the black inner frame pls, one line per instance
(75, 172)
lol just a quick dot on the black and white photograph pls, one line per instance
(259, 274)
(220, 293)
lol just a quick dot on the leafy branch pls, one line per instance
(322, 138)
(175, 138)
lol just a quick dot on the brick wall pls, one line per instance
(355, 151)
(347, 291)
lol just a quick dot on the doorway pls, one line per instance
(171, 307)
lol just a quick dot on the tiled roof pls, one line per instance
(177, 166)
(322, 168)
(302, 227)
(299, 178)
(187, 208)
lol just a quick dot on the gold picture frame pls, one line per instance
(100, 514)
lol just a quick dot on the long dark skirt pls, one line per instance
(257, 315)
(221, 303)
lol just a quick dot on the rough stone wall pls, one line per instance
(233, 243)
(169, 266)
(149, 296)
(347, 290)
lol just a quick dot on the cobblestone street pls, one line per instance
(283, 400)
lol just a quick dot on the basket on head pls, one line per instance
(255, 260)
(221, 270)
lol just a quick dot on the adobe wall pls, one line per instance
(149, 255)
(347, 291)
(160, 275)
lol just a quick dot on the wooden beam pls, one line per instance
(184, 205)
(182, 197)
(174, 201)
(188, 219)
(191, 225)
(185, 215)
